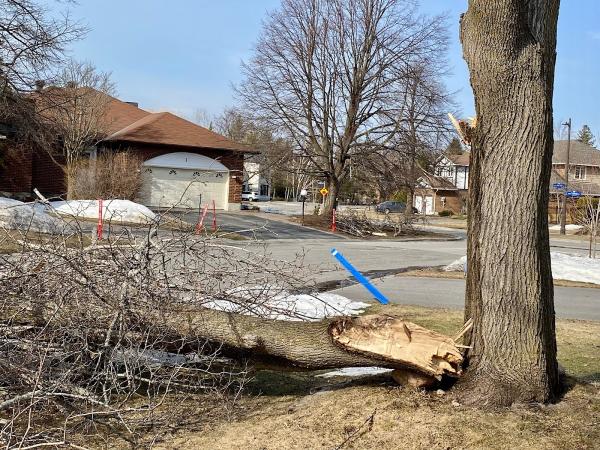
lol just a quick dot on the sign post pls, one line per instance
(333, 220)
(303, 194)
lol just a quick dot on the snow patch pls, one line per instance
(274, 303)
(457, 266)
(564, 267)
(355, 372)
(16, 215)
(575, 268)
(568, 227)
(112, 210)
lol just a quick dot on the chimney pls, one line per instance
(136, 104)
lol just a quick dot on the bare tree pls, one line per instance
(326, 73)
(76, 109)
(588, 216)
(421, 131)
(275, 155)
(32, 43)
(510, 48)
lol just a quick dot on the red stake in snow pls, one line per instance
(200, 223)
(214, 216)
(333, 220)
(99, 227)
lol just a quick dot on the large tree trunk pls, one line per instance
(333, 186)
(509, 46)
(375, 340)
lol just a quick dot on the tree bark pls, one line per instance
(333, 186)
(509, 46)
(364, 341)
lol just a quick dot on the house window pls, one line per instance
(445, 172)
(264, 189)
(580, 172)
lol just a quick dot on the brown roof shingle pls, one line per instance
(580, 154)
(128, 123)
(460, 160)
(437, 182)
(168, 129)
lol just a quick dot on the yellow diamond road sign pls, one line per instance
(324, 191)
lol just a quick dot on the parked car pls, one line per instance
(254, 197)
(392, 206)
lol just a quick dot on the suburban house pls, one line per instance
(184, 164)
(446, 188)
(255, 179)
(584, 168)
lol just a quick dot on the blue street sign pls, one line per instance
(573, 194)
(559, 185)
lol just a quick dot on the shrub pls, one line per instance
(446, 213)
(110, 175)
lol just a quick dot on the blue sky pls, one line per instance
(183, 55)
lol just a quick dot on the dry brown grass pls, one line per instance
(12, 241)
(299, 411)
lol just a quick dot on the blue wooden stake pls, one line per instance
(359, 277)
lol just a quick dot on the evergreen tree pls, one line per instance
(454, 148)
(585, 135)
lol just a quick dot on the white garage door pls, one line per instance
(184, 187)
(428, 204)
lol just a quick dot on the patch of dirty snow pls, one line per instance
(273, 303)
(112, 210)
(355, 372)
(16, 215)
(564, 267)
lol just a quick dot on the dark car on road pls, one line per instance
(392, 206)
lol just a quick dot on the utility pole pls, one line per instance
(563, 219)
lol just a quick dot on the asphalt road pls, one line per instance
(286, 241)
(569, 302)
(260, 226)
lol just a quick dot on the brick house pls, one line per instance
(584, 175)
(184, 164)
(446, 188)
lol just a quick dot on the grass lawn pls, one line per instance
(302, 411)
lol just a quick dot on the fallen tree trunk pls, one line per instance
(375, 340)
